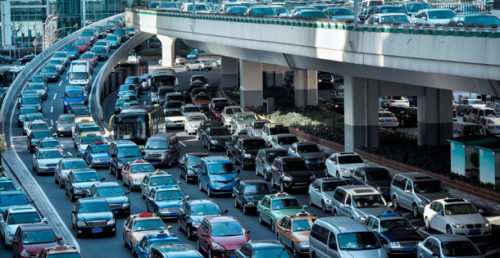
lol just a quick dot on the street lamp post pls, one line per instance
(47, 23)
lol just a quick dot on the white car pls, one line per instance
(387, 119)
(189, 108)
(209, 64)
(455, 216)
(180, 61)
(343, 164)
(255, 128)
(240, 121)
(491, 124)
(195, 65)
(283, 141)
(433, 16)
(395, 101)
(174, 118)
(271, 129)
(16, 216)
(227, 114)
(193, 121)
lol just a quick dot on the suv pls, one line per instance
(290, 172)
(310, 152)
(343, 237)
(216, 175)
(358, 202)
(413, 191)
(271, 129)
(321, 192)
(121, 152)
(227, 114)
(343, 164)
(246, 149)
(215, 137)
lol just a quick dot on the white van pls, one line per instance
(80, 73)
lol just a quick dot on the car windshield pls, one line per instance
(66, 255)
(49, 69)
(173, 113)
(460, 209)
(94, 207)
(231, 111)
(131, 80)
(38, 237)
(40, 134)
(226, 228)
(368, 201)
(85, 177)
(339, 11)
(279, 130)
(140, 168)
(149, 224)
(256, 144)
(74, 164)
(395, 225)
(129, 152)
(99, 148)
(482, 20)
(259, 125)
(112, 191)
(23, 218)
(27, 110)
(199, 7)
(87, 33)
(331, 186)
(415, 7)
(60, 55)
(378, 175)
(90, 139)
(294, 165)
(350, 159)
(219, 132)
(433, 186)
(391, 9)
(157, 144)
(66, 119)
(256, 189)
(49, 144)
(270, 156)
(88, 56)
(191, 109)
(313, 14)
(287, 140)
(31, 100)
(34, 116)
(7, 186)
(35, 126)
(284, 204)
(308, 148)
(162, 180)
(169, 195)
(394, 19)
(246, 116)
(80, 110)
(221, 168)
(267, 11)
(36, 86)
(459, 248)
(111, 37)
(193, 160)
(49, 154)
(80, 42)
(441, 14)
(175, 97)
(99, 50)
(358, 241)
(13, 199)
(78, 75)
(74, 94)
(301, 225)
(197, 118)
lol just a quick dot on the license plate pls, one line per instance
(174, 214)
(178, 125)
(115, 212)
(314, 162)
(400, 105)
(97, 230)
(474, 231)
(409, 249)
(226, 188)
(154, 163)
(388, 120)
(52, 169)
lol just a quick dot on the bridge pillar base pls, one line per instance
(229, 69)
(434, 117)
(306, 88)
(360, 113)
(167, 50)
(250, 84)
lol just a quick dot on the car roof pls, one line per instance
(71, 159)
(124, 142)
(417, 176)
(359, 189)
(342, 224)
(289, 158)
(216, 159)
(252, 181)
(346, 153)
(201, 201)
(34, 227)
(106, 184)
(280, 196)
(282, 135)
(12, 192)
(91, 200)
(264, 243)
(448, 238)
(20, 209)
(267, 150)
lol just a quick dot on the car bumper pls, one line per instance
(218, 146)
(175, 125)
(401, 249)
(135, 185)
(46, 169)
(223, 253)
(81, 194)
(157, 162)
(64, 131)
(168, 215)
(120, 210)
(297, 185)
(222, 188)
(477, 232)
(96, 230)
(100, 163)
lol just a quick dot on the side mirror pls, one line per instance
(225, 211)
(54, 135)
(481, 211)
(441, 213)
(187, 196)
(45, 220)
(179, 182)
(59, 239)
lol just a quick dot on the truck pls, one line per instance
(80, 73)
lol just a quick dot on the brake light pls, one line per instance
(331, 81)
(159, 172)
(99, 143)
(336, 106)
(393, 101)
(319, 80)
(381, 120)
(406, 101)
(395, 120)
(145, 214)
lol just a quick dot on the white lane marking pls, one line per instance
(69, 153)
(182, 143)
(51, 122)
(52, 109)
(60, 83)
(55, 96)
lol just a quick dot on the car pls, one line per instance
(30, 100)
(45, 160)
(82, 45)
(74, 94)
(293, 231)
(358, 202)
(200, 133)
(85, 140)
(321, 192)
(26, 59)
(87, 34)
(272, 207)
(14, 198)
(165, 201)
(414, 190)
(202, 101)
(474, 114)
(193, 89)
(6, 184)
(261, 248)
(174, 250)
(78, 183)
(23, 111)
(154, 180)
(343, 164)
(91, 57)
(338, 14)
(34, 137)
(447, 246)
(72, 51)
(188, 163)
(133, 173)
(387, 119)
(433, 16)
(260, 11)
(217, 175)
(134, 80)
(456, 217)
(388, 18)
(60, 250)
(162, 150)
(407, 116)
(194, 65)
(216, 106)
(64, 166)
(231, 143)
(145, 81)
(483, 20)
(245, 150)
(491, 124)
(376, 177)
(139, 225)
(64, 123)
(122, 34)
(121, 152)
(84, 129)
(397, 234)
(310, 14)
(240, 121)
(180, 61)
(264, 160)
(288, 173)
(255, 128)
(58, 63)
(220, 235)
(40, 88)
(193, 121)
(227, 114)
(189, 108)
(283, 141)
(465, 105)
(248, 192)
(310, 152)
(96, 155)
(174, 118)
(15, 216)
(101, 52)
(114, 40)
(145, 245)
(271, 129)
(92, 216)
(37, 124)
(63, 55)
(112, 192)
(215, 138)
(412, 8)
(29, 240)
(160, 93)
(192, 213)
(51, 73)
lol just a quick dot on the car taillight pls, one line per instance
(395, 120)
(381, 120)
(407, 101)
(331, 81)
(470, 106)
(393, 101)
(319, 80)
(336, 106)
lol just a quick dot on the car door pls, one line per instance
(292, 151)
(204, 238)
(266, 210)
(404, 198)
(332, 250)
(439, 220)
(127, 231)
(259, 163)
(275, 172)
(150, 201)
(238, 194)
(338, 199)
(125, 173)
(315, 193)
(3, 222)
(347, 207)
(280, 231)
(287, 232)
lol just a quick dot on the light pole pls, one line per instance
(47, 23)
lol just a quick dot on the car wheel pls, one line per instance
(236, 205)
(244, 209)
(209, 253)
(294, 251)
(415, 210)
(198, 246)
(189, 232)
(323, 207)
(199, 186)
(209, 192)
(427, 223)
(272, 182)
(256, 171)
(448, 230)
(260, 219)
(395, 203)
(335, 213)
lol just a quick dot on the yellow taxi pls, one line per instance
(59, 251)
(293, 231)
(134, 172)
(139, 225)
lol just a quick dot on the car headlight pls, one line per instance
(424, 202)
(458, 226)
(329, 201)
(214, 141)
(80, 223)
(344, 170)
(125, 205)
(312, 177)
(287, 178)
(247, 155)
(110, 222)
(195, 224)
(25, 253)
(362, 218)
(304, 243)
(212, 180)
(216, 246)
(394, 244)
(163, 209)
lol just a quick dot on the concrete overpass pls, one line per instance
(375, 60)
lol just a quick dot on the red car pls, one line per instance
(30, 240)
(82, 45)
(216, 109)
(91, 56)
(221, 235)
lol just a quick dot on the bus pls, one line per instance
(164, 77)
(137, 123)
(8, 74)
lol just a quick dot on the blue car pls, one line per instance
(96, 155)
(72, 51)
(165, 201)
(193, 54)
(142, 247)
(217, 175)
(74, 94)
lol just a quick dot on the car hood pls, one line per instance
(194, 123)
(224, 177)
(169, 204)
(116, 199)
(244, 123)
(136, 176)
(254, 197)
(373, 211)
(352, 166)
(95, 216)
(155, 151)
(364, 253)
(278, 214)
(399, 236)
(197, 219)
(220, 138)
(230, 242)
(433, 196)
(342, 17)
(84, 185)
(175, 118)
(125, 160)
(312, 155)
(35, 249)
(302, 236)
(465, 219)
(302, 173)
(47, 161)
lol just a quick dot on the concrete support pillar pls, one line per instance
(167, 50)
(434, 117)
(360, 113)
(250, 84)
(229, 72)
(306, 88)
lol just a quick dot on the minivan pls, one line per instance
(217, 175)
(343, 237)
(358, 202)
(162, 150)
(121, 152)
(414, 190)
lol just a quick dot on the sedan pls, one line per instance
(64, 166)
(92, 216)
(445, 246)
(221, 235)
(45, 160)
(193, 212)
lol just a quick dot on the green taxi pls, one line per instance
(273, 207)
(155, 180)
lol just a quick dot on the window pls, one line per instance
(332, 242)
(348, 200)
(398, 182)
(320, 233)
(339, 195)
(369, 221)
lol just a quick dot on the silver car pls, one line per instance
(310, 152)
(321, 192)
(227, 114)
(240, 121)
(444, 246)
(255, 128)
(264, 160)
(358, 202)
(64, 166)
(193, 122)
(45, 160)
(283, 141)
(40, 88)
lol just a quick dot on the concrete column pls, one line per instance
(250, 84)
(306, 88)
(229, 71)
(167, 50)
(434, 116)
(360, 113)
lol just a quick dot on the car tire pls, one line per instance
(309, 200)
(323, 207)
(244, 209)
(260, 219)
(236, 204)
(395, 203)
(273, 226)
(272, 182)
(189, 232)
(415, 210)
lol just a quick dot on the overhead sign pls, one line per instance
(6, 24)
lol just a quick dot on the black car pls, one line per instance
(5, 59)
(35, 136)
(136, 81)
(310, 152)
(264, 160)
(162, 150)
(101, 52)
(26, 59)
(78, 183)
(377, 177)
(200, 132)
(192, 213)
(231, 143)
(407, 116)
(248, 192)
(50, 72)
(216, 137)
(290, 172)
(190, 89)
(92, 216)
(187, 163)
(113, 193)
(325, 80)
(38, 78)
(246, 149)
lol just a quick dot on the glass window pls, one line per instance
(302, 225)
(162, 180)
(38, 237)
(23, 218)
(283, 204)
(369, 201)
(460, 209)
(148, 224)
(74, 164)
(434, 186)
(110, 191)
(395, 225)
(221, 168)
(459, 248)
(203, 209)
(358, 241)
(229, 228)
